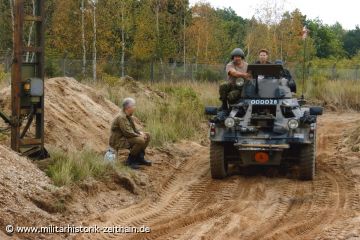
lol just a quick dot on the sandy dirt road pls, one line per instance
(191, 205)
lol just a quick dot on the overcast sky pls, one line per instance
(345, 12)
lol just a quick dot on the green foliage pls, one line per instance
(110, 80)
(5, 26)
(352, 42)
(4, 77)
(178, 117)
(67, 168)
(2, 74)
(232, 26)
(327, 39)
(209, 75)
(52, 68)
(156, 31)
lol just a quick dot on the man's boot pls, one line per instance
(141, 159)
(132, 163)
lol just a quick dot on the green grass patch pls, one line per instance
(178, 116)
(66, 168)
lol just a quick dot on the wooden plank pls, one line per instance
(30, 141)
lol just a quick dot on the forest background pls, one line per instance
(171, 40)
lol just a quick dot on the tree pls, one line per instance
(290, 37)
(208, 39)
(263, 30)
(234, 27)
(326, 40)
(352, 41)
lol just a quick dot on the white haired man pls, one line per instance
(124, 134)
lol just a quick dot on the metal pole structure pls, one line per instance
(305, 32)
(16, 73)
(27, 84)
(94, 41)
(303, 75)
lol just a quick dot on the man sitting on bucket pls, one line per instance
(124, 134)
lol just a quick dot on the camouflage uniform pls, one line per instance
(124, 134)
(230, 91)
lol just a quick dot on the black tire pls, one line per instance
(307, 161)
(218, 164)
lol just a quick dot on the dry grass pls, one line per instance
(344, 94)
(180, 114)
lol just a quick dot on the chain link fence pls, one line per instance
(169, 71)
(149, 71)
(5, 60)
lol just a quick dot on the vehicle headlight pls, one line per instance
(293, 123)
(229, 122)
(240, 82)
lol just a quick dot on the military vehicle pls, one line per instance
(267, 126)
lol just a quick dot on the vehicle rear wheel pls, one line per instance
(218, 164)
(307, 161)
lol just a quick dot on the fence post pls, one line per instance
(308, 71)
(64, 64)
(334, 72)
(152, 71)
(7, 60)
(191, 72)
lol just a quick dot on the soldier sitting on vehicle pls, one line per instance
(286, 74)
(124, 134)
(263, 57)
(231, 91)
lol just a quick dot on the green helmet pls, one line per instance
(237, 52)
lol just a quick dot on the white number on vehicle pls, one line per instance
(264, 101)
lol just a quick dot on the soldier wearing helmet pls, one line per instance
(286, 74)
(230, 92)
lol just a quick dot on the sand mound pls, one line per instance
(76, 116)
(23, 188)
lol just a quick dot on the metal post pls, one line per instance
(152, 71)
(304, 66)
(24, 104)
(333, 72)
(64, 67)
(16, 73)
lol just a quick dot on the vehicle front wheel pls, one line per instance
(218, 164)
(307, 161)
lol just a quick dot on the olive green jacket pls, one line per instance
(122, 128)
